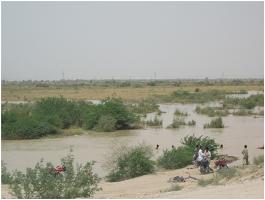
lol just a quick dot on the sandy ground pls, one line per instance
(249, 185)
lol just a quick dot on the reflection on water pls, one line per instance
(97, 146)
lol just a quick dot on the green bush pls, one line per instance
(129, 162)
(215, 123)
(50, 114)
(6, 177)
(245, 103)
(176, 158)
(42, 182)
(106, 123)
(203, 141)
(26, 128)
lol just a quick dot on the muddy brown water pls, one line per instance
(238, 131)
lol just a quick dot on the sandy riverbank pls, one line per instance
(248, 185)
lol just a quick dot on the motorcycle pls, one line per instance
(205, 167)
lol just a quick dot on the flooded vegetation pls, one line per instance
(94, 128)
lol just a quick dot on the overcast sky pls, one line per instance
(122, 40)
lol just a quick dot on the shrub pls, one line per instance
(192, 123)
(155, 122)
(129, 162)
(242, 112)
(192, 141)
(42, 182)
(177, 122)
(106, 123)
(215, 123)
(259, 160)
(26, 128)
(176, 158)
(6, 177)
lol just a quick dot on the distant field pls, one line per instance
(25, 93)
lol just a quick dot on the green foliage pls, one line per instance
(177, 122)
(50, 114)
(155, 122)
(259, 160)
(176, 158)
(42, 182)
(203, 141)
(106, 123)
(179, 113)
(215, 123)
(129, 162)
(211, 111)
(247, 103)
(25, 128)
(6, 177)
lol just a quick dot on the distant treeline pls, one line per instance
(50, 115)
(135, 82)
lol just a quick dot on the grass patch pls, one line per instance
(174, 187)
(215, 123)
(243, 112)
(259, 160)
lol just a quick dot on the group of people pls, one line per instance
(200, 155)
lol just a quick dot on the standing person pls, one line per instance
(157, 146)
(200, 156)
(207, 154)
(245, 155)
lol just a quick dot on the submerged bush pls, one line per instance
(211, 111)
(191, 123)
(203, 141)
(179, 113)
(129, 162)
(176, 158)
(144, 107)
(177, 122)
(155, 122)
(215, 123)
(42, 182)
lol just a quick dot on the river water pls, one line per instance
(238, 131)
